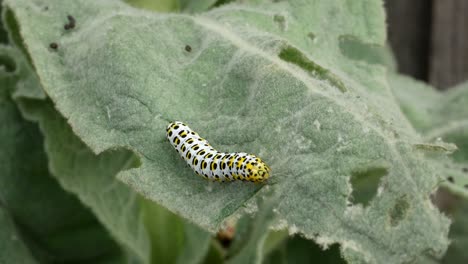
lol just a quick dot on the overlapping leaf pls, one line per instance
(443, 115)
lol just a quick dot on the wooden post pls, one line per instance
(409, 35)
(449, 43)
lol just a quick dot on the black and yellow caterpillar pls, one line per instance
(211, 164)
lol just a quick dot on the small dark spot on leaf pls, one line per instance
(311, 36)
(71, 23)
(281, 21)
(71, 19)
(450, 179)
(465, 170)
(188, 48)
(399, 211)
(53, 45)
(466, 186)
(46, 8)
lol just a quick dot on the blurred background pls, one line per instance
(430, 39)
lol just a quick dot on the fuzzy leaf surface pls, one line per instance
(287, 81)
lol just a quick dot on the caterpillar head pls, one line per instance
(259, 171)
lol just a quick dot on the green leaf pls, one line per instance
(417, 100)
(251, 234)
(3, 32)
(435, 114)
(273, 240)
(190, 6)
(174, 240)
(458, 211)
(316, 115)
(451, 121)
(196, 244)
(452, 125)
(156, 5)
(444, 115)
(12, 248)
(215, 254)
(25, 180)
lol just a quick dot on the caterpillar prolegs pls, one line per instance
(211, 164)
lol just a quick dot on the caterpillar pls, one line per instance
(211, 164)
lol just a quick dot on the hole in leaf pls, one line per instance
(399, 210)
(295, 56)
(365, 183)
(446, 201)
(355, 49)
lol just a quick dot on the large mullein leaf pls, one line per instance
(288, 81)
